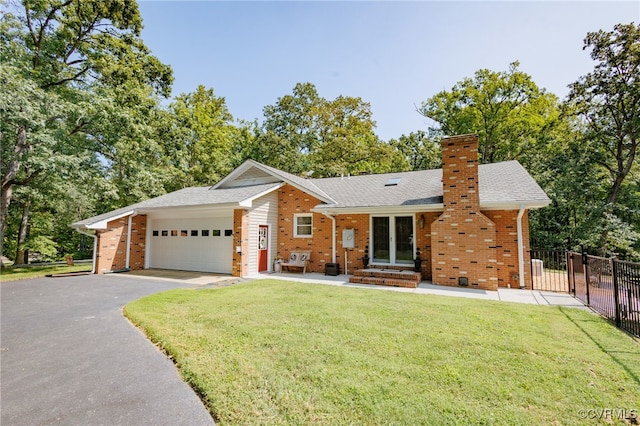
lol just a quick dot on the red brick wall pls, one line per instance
(463, 239)
(464, 249)
(138, 242)
(360, 224)
(423, 241)
(240, 238)
(291, 201)
(507, 246)
(112, 245)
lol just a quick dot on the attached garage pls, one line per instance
(192, 229)
(197, 244)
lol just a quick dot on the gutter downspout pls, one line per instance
(333, 236)
(95, 248)
(128, 254)
(520, 246)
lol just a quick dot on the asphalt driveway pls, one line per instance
(68, 356)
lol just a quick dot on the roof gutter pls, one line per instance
(378, 209)
(423, 208)
(532, 204)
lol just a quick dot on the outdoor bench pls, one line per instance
(298, 259)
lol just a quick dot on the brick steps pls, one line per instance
(394, 278)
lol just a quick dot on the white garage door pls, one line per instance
(192, 244)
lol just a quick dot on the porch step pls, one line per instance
(390, 277)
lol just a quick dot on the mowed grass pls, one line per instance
(12, 273)
(274, 352)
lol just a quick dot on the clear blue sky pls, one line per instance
(393, 55)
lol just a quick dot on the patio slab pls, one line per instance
(533, 297)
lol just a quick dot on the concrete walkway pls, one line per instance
(534, 297)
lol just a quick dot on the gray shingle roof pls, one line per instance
(193, 196)
(414, 188)
(500, 183)
(104, 216)
(506, 183)
(204, 195)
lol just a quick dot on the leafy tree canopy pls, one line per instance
(76, 80)
(507, 110)
(304, 132)
(607, 100)
(199, 149)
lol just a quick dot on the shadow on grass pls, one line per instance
(617, 354)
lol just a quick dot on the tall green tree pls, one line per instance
(289, 130)
(347, 143)
(507, 110)
(120, 125)
(28, 131)
(418, 151)
(200, 147)
(608, 102)
(57, 56)
(564, 171)
(305, 132)
(516, 120)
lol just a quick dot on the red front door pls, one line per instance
(263, 244)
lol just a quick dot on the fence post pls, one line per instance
(587, 278)
(570, 282)
(616, 296)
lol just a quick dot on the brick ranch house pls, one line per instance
(468, 222)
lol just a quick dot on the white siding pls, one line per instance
(264, 212)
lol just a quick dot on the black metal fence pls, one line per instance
(611, 287)
(549, 270)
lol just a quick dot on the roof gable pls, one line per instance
(248, 176)
(251, 171)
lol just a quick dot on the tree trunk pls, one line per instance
(22, 255)
(8, 181)
(5, 199)
(623, 169)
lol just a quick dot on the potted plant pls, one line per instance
(277, 264)
(417, 263)
(366, 259)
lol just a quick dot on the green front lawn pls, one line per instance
(11, 273)
(286, 353)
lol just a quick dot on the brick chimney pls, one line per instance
(463, 239)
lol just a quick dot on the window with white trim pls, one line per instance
(302, 225)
